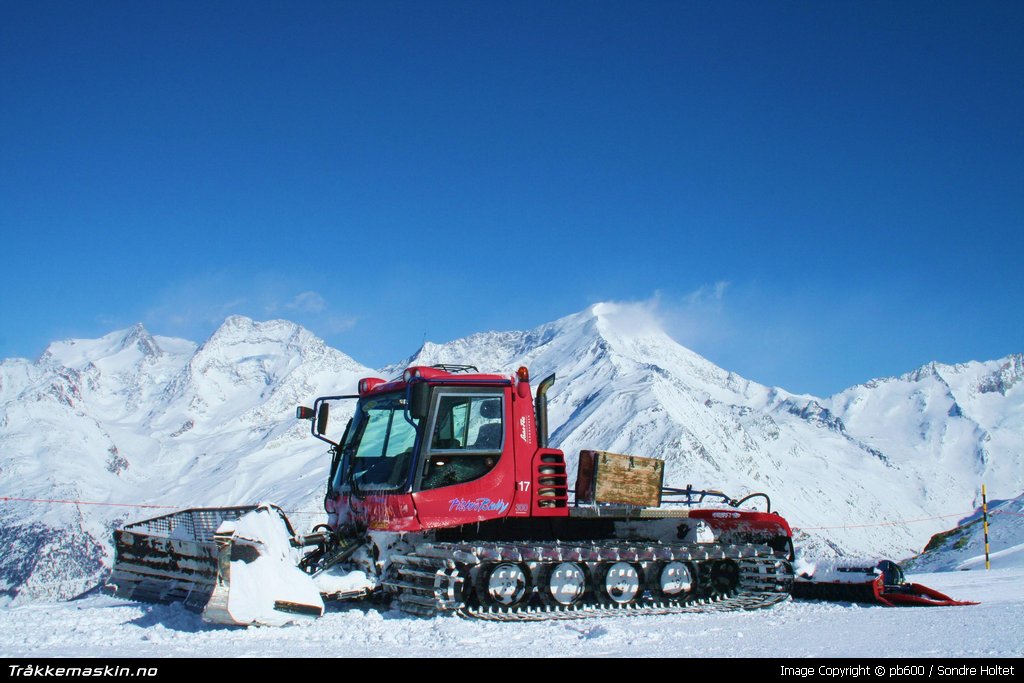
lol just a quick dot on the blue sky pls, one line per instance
(810, 194)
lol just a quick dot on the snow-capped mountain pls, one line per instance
(849, 471)
(952, 426)
(136, 419)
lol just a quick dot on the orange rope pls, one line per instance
(126, 505)
(864, 526)
(308, 512)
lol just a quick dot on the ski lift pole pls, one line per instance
(984, 515)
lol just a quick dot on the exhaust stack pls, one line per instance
(541, 407)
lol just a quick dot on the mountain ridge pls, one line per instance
(133, 418)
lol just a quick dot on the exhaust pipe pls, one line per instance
(541, 407)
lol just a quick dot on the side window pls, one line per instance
(466, 442)
(468, 423)
(458, 418)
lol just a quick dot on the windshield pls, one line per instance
(379, 446)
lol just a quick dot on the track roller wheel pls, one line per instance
(725, 576)
(673, 580)
(506, 584)
(620, 583)
(563, 584)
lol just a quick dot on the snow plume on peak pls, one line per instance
(635, 334)
(626, 334)
(628, 320)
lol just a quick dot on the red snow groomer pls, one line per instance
(445, 497)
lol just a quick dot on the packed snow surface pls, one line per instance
(108, 627)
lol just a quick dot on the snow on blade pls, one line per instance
(264, 584)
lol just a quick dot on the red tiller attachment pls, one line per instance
(910, 594)
(866, 581)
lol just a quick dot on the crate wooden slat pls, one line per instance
(615, 478)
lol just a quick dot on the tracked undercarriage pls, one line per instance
(516, 582)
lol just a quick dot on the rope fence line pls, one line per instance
(83, 502)
(321, 512)
(5, 499)
(877, 524)
(905, 521)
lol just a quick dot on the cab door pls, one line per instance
(464, 475)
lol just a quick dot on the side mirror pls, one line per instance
(321, 418)
(420, 401)
(303, 413)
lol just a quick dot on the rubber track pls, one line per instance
(430, 580)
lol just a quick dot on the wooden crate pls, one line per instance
(614, 478)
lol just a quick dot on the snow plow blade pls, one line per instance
(237, 566)
(866, 581)
(171, 558)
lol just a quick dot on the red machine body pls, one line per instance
(444, 496)
(443, 448)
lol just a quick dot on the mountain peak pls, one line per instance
(139, 337)
(78, 353)
(240, 338)
(626, 321)
(1010, 372)
(242, 329)
(235, 325)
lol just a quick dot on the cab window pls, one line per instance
(378, 453)
(466, 440)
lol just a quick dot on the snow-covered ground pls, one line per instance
(108, 627)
